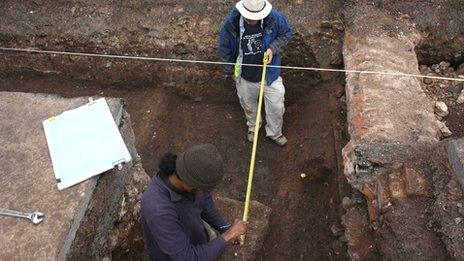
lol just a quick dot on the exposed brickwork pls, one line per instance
(391, 121)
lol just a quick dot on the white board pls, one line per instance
(83, 143)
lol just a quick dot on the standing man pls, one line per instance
(254, 29)
(177, 204)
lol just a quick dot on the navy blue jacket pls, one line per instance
(277, 33)
(172, 224)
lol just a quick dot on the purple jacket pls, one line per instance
(172, 224)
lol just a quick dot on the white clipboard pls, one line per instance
(83, 143)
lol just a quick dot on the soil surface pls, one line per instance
(303, 210)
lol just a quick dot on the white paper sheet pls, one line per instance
(84, 142)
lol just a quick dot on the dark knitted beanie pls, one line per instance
(201, 167)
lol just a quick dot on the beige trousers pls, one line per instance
(248, 93)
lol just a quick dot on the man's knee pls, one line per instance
(277, 108)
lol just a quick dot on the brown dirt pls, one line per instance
(303, 209)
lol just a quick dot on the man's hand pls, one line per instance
(237, 229)
(269, 54)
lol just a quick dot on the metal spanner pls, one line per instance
(34, 217)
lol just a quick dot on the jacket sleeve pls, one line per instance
(284, 34)
(226, 50)
(167, 232)
(211, 215)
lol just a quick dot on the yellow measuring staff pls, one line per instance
(255, 145)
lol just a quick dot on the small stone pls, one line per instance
(444, 65)
(302, 175)
(375, 225)
(179, 9)
(459, 205)
(460, 99)
(427, 80)
(346, 203)
(441, 109)
(435, 68)
(461, 211)
(444, 129)
(457, 220)
(326, 24)
(337, 229)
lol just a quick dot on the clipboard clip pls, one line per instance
(118, 164)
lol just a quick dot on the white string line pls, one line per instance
(224, 63)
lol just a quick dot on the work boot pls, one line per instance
(251, 134)
(281, 140)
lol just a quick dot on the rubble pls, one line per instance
(441, 110)
(445, 91)
(448, 96)
(460, 99)
(458, 220)
(445, 131)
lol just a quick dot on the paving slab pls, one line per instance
(28, 183)
(257, 228)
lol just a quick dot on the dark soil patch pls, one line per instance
(303, 209)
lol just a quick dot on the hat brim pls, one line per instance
(254, 15)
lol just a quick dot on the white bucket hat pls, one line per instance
(254, 9)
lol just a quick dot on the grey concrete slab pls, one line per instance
(455, 150)
(27, 181)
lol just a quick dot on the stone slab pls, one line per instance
(27, 181)
(455, 150)
(257, 228)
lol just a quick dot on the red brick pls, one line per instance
(415, 182)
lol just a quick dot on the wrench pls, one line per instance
(34, 217)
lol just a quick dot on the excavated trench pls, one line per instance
(170, 119)
(174, 106)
